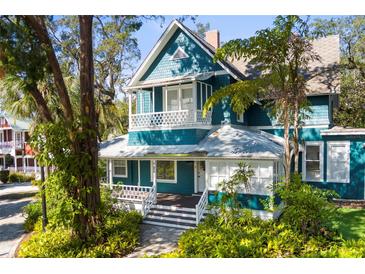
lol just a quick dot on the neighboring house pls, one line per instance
(173, 150)
(15, 152)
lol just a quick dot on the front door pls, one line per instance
(201, 176)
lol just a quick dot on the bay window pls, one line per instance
(338, 161)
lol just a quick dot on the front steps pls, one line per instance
(171, 216)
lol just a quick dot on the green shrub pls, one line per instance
(4, 176)
(117, 237)
(32, 213)
(251, 237)
(18, 177)
(307, 209)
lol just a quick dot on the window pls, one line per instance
(313, 162)
(1, 137)
(338, 161)
(240, 117)
(217, 171)
(166, 171)
(179, 54)
(187, 98)
(120, 168)
(178, 98)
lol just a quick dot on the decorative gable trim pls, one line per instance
(161, 43)
(179, 54)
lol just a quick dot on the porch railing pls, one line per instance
(201, 206)
(149, 201)
(144, 194)
(170, 119)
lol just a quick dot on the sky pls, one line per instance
(230, 27)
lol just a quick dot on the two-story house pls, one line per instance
(172, 158)
(15, 152)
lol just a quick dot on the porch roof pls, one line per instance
(221, 142)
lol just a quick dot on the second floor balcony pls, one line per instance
(172, 106)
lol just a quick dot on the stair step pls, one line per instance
(181, 214)
(168, 224)
(173, 208)
(171, 219)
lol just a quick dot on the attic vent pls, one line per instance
(179, 54)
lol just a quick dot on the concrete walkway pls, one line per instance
(12, 198)
(156, 240)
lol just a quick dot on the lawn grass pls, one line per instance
(352, 223)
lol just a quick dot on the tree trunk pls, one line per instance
(286, 122)
(88, 178)
(296, 137)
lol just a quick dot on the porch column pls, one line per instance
(129, 109)
(23, 162)
(139, 172)
(110, 172)
(154, 172)
(35, 165)
(195, 105)
(195, 176)
(16, 163)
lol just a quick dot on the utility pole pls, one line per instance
(44, 208)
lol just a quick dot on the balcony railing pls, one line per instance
(181, 118)
(8, 146)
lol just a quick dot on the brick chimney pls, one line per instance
(212, 37)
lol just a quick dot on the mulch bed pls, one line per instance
(350, 203)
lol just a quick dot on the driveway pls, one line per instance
(156, 240)
(12, 198)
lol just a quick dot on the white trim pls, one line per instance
(240, 116)
(153, 99)
(126, 169)
(139, 172)
(172, 58)
(195, 177)
(347, 164)
(174, 181)
(171, 128)
(281, 127)
(321, 160)
(342, 133)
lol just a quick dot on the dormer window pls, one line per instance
(179, 54)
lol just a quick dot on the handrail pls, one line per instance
(149, 201)
(200, 207)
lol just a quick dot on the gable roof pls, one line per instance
(228, 141)
(325, 71)
(15, 123)
(161, 43)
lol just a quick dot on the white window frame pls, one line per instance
(126, 169)
(174, 181)
(347, 147)
(172, 58)
(179, 89)
(321, 162)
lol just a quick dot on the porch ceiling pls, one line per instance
(221, 142)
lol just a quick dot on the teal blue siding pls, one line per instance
(222, 112)
(259, 115)
(166, 137)
(132, 178)
(250, 201)
(145, 97)
(146, 173)
(185, 177)
(158, 99)
(197, 62)
(185, 180)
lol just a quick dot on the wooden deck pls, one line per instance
(177, 200)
